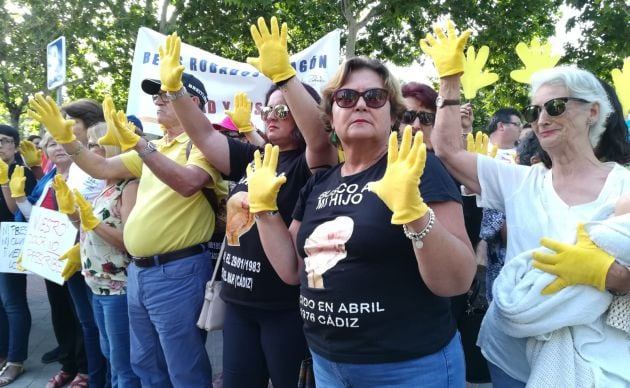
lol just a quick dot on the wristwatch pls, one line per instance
(440, 102)
(172, 96)
(150, 147)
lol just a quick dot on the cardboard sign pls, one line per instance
(49, 235)
(11, 240)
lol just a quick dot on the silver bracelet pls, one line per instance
(417, 237)
(77, 151)
(269, 213)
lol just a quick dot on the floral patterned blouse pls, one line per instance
(104, 265)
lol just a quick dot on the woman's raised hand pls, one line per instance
(65, 199)
(446, 50)
(46, 112)
(263, 183)
(273, 56)
(399, 187)
(242, 114)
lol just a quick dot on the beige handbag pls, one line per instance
(213, 311)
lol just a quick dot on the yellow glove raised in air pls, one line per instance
(73, 255)
(536, 57)
(273, 56)
(263, 182)
(110, 136)
(399, 187)
(65, 199)
(474, 77)
(17, 182)
(88, 219)
(32, 155)
(621, 80)
(242, 114)
(124, 131)
(479, 144)
(581, 263)
(46, 112)
(447, 52)
(170, 69)
(4, 173)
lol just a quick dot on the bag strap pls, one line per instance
(218, 263)
(210, 195)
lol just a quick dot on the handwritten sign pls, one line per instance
(49, 235)
(11, 240)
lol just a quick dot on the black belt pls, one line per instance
(150, 261)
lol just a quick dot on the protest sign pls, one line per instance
(11, 240)
(49, 235)
(223, 77)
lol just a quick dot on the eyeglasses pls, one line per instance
(516, 124)
(161, 95)
(348, 98)
(6, 140)
(281, 112)
(554, 107)
(409, 116)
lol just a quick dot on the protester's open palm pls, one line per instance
(170, 69)
(88, 219)
(46, 112)
(446, 50)
(32, 155)
(480, 144)
(73, 255)
(262, 181)
(17, 182)
(399, 187)
(273, 60)
(65, 199)
(536, 57)
(242, 114)
(475, 77)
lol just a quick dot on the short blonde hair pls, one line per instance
(396, 102)
(97, 131)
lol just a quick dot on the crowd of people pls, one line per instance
(360, 267)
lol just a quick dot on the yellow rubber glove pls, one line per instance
(447, 52)
(474, 77)
(273, 56)
(4, 173)
(536, 57)
(17, 182)
(621, 80)
(88, 219)
(242, 114)
(18, 263)
(399, 187)
(479, 144)
(46, 112)
(263, 182)
(170, 69)
(73, 255)
(581, 263)
(110, 136)
(65, 199)
(125, 133)
(32, 155)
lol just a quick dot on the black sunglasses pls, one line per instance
(409, 116)
(348, 98)
(281, 112)
(553, 107)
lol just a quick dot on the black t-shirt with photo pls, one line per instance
(5, 213)
(362, 298)
(249, 279)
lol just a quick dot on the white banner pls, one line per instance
(11, 240)
(49, 235)
(223, 77)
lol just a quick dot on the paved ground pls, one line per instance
(42, 340)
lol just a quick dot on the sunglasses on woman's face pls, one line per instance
(409, 116)
(281, 112)
(348, 98)
(554, 107)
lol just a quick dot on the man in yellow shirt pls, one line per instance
(165, 234)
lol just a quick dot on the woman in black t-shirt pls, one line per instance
(262, 334)
(375, 305)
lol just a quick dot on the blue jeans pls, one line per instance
(442, 369)
(112, 318)
(500, 379)
(275, 345)
(167, 347)
(82, 300)
(15, 317)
